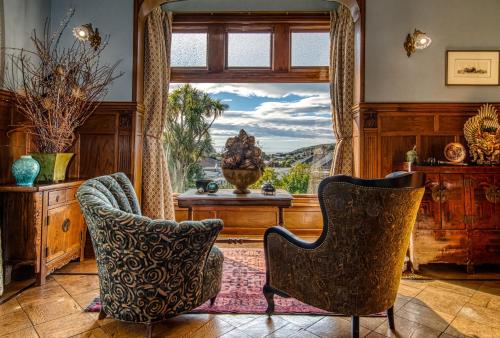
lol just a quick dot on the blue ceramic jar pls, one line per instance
(25, 170)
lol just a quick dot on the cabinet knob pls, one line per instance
(66, 224)
(492, 193)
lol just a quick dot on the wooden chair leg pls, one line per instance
(149, 330)
(102, 314)
(212, 301)
(390, 317)
(355, 326)
(270, 299)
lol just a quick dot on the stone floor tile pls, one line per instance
(463, 327)
(24, 333)
(408, 291)
(465, 288)
(263, 326)
(302, 321)
(42, 294)
(236, 333)
(215, 327)
(407, 328)
(181, 326)
(88, 266)
(425, 316)
(95, 333)
(238, 320)
(76, 284)
(57, 308)
(291, 331)
(10, 306)
(14, 321)
(335, 327)
(85, 298)
(441, 300)
(480, 315)
(401, 301)
(372, 323)
(66, 326)
(116, 328)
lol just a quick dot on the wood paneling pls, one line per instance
(303, 218)
(109, 141)
(388, 130)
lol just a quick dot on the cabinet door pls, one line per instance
(483, 207)
(74, 227)
(429, 214)
(56, 238)
(452, 201)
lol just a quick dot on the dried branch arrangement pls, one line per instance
(57, 89)
(241, 153)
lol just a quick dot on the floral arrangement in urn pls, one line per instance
(242, 163)
(482, 133)
(56, 89)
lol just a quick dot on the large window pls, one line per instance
(269, 78)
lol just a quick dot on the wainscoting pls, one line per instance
(384, 132)
(110, 141)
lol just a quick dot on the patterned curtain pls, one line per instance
(157, 200)
(342, 87)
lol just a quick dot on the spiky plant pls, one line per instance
(57, 89)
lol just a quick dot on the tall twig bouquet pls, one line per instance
(57, 89)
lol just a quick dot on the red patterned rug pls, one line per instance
(243, 278)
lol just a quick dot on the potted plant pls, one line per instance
(242, 163)
(56, 90)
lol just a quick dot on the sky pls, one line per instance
(282, 116)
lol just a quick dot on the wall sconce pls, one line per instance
(419, 40)
(88, 33)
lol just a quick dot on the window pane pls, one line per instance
(310, 49)
(291, 123)
(249, 50)
(189, 50)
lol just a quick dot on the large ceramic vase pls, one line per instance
(25, 170)
(52, 166)
(242, 178)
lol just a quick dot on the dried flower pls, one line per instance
(48, 104)
(78, 93)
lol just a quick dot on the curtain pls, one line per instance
(157, 200)
(342, 87)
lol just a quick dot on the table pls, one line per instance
(225, 197)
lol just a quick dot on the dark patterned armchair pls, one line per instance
(149, 270)
(355, 267)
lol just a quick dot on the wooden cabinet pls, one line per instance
(42, 226)
(459, 218)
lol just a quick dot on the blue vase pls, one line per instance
(25, 170)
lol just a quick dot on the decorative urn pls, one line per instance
(25, 170)
(242, 163)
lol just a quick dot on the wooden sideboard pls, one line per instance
(459, 218)
(42, 226)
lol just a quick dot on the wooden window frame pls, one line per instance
(218, 26)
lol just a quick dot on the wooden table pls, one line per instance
(225, 197)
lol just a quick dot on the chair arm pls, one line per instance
(289, 236)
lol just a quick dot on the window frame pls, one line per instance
(281, 26)
(194, 30)
(304, 29)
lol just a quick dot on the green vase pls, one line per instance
(52, 166)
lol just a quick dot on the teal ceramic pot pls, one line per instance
(25, 170)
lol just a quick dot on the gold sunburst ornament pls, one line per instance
(482, 133)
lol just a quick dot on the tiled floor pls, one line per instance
(424, 308)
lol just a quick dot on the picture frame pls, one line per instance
(472, 68)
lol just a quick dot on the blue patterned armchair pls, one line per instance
(149, 270)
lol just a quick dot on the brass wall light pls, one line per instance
(88, 33)
(419, 40)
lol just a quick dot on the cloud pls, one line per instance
(266, 90)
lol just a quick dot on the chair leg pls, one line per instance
(212, 301)
(390, 317)
(149, 330)
(355, 326)
(102, 314)
(270, 299)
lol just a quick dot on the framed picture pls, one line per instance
(472, 68)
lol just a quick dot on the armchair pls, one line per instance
(149, 270)
(355, 267)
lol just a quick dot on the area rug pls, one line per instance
(243, 278)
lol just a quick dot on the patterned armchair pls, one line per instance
(149, 270)
(355, 267)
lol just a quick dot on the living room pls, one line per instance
(220, 168)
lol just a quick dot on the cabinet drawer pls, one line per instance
(57, 197)
(63, 230)
(71, 194)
